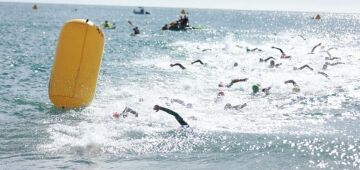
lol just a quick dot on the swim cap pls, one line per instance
(255, 88)
(296, 88)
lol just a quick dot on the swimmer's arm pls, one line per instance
(269, 58)
(305, 66)
(197, 61)
(290, 81)
(282, 52)
(178, 64)
(236, 81)
(176, 115)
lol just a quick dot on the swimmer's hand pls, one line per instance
(156, 108)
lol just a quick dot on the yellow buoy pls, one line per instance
(76, 64)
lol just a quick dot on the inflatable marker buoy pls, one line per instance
(76, 64)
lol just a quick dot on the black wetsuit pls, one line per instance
(176, 115)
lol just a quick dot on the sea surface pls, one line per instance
(316, 128)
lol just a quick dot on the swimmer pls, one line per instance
(197, 61)
(235, 81)
(236, 64)
(302, 67)
(219, 97)
(206, 49)
(329, 55)
(256, 87)
(302, 37)
(228, 106)
(125, 112)
(296, 87)
(178, 64)
(176, 115)
(266, 90)
(262, 60)
(283, 55)
(189, 105)
(313, 49)
(330, 64)
(252, 50)
(272, 64)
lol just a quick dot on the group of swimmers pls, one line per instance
(256, 88)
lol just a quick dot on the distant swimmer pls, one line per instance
(330, 64)
(324, 74)
(302, 67)
(313, 49)
(265, 60)
(236, 81)
(176, 115)
(283, 55)
(228, 106)
(266, 90)
(333, 64)
(188, 105)
(272, 64)
(256, 88)
(296, 87)
(178, 64)
(34, 7)
(219, 96)
(125, 112)
(135, 29)
(197, 61)
(302, 37)
(317, 17)
(329, 54)
(236, 64)
(252, 50)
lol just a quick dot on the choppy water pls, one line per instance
(316, 128)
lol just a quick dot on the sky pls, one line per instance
(342, 6)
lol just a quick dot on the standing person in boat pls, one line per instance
(184, 20)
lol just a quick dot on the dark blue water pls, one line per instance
(313, 129)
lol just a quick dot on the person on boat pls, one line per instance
(179, 119)
(183, 22)
(106, 24)
(125, 112)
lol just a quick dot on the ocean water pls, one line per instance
(317, 128)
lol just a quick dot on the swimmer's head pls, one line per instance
(221, 94)
(116, 115)
(255, 88)
(221, 84)
(227, 106)
(272, 62)
(236, 64)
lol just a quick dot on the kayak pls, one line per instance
(173, 26)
